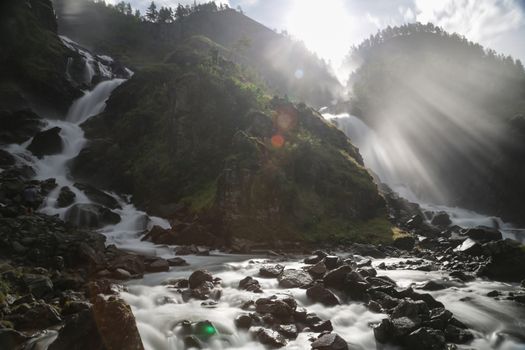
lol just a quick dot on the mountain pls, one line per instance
(450, 115)
(284, 65)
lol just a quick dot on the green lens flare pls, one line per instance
(210, 330)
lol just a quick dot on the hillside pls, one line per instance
(196, 138)
(450, 113)
(274, 57)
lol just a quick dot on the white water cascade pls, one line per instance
(377, 158)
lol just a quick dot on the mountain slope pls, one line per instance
(197, 141)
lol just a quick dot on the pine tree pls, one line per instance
(151, 13)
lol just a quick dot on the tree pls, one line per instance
(180, 12)
(165, 15)
(152, 13)
(129, 10)
(137, 14)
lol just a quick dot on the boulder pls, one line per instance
(46, 143)
(483, 234)
(66, 197)
(289, 331)
(336, 278)
(426, 338)
(270, 338)
(457, 335)
(6, 159)
(79, 332)
(292, 278)
(11, 339)
(469, 247)
(157, 265)
(97, 196)
(507, 261)
(91, 216)
(279, 308)
(332, 261)
(36, 316)
(271, 271)
(19, 126)
(330, 341)
(177, 262)
(161, 235)
(198, 277)
(38, 285)
(411, 309)
(405, 242)
(243, 321)
(250, 284)
(367, 250)
(320, 294)
(318, 270)
(441, 219)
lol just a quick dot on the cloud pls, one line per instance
(479, 20)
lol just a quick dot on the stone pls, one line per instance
(318, 270)
(37, 316)
(312, 260)
(411, 309)
(289, 331)
(271, 271)
(426, 338)
(243, 321)
(507, 261)
(250, 284)
(434, 285)
(160, 235)
(38, 285)
(405, 242)
(158, 265)
(270, 338)
(465, 277)
(18, 126)
(192, 342)
(292, 278)
(11, 339)
(320, 294)
(441, 219)
(483, 234)
(336, 278)
(121, 274)
(367, 250)
(97, 196)
(457, 335)
(79, 332)
(91, 216)
(47, 142)
(177, 262)
(332, 261)
(331, 341)
(66, 197)
(276, 307)
(470, 247)
(198, 277)
(6, 159)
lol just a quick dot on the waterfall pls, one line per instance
(379, 158)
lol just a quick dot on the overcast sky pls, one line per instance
(330, 27)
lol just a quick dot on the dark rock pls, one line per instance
(434, 285)
(6, 159)
(320, 294)
(46, 142)
(415, 221)
(462, 276)
(198, 277)
(243, 321)
(405, 242)
(441, 219)
(279, 308)
(332, 261)
(91, 216)
(177, 262)
(292, 278)
(11, 339)
(38, 285)
(312, 260)
(19, 126)
(161, 235)
(330, 341)
(439, 318)
(507, 261)
(288, 331)
(192, 342)
(457, 335)
(97, 196)
(367, 250)
(158, 265)
(321, 326)
(250, 284)
(80, 332)
(271, 271)
(270, 338)
(336, 278)
(66, 197)
(318, 270)
(493, 294)
(470, 247)
(483, 234)
(412, 309)
(426, 338)
(35, 317)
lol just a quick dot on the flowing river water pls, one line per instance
(158, 309)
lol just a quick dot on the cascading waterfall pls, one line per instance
(377, 158)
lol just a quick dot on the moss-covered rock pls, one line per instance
(198, 133)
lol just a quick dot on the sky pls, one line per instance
(331, 27)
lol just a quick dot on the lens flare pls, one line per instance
(277, 141)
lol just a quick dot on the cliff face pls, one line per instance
(33, 60)
(195, 138)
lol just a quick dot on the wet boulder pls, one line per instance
(250, 284)
(177, 261)
(331, 341)
(292, 278)
(332, 261)
(483, 234)
(91, 216)
(35, 316)
(46, 143)
(469, 247)
(198, 277)
(97, 196)
(320, 294)
(507, 261)
(271, 271)
(6, 159)
(367, 250)
(38, 285)
(161, 235)
(441, 219)
(405, 242)
(157, 265)
(318, 270)
(19, 126)
(289, 331)
(426, 338)
(278, 307)
(336, 278)
(11, 339)
(243, 321)
(66, 197)
(457, 335)
(415, 310)
(270, 338)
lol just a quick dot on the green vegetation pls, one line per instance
(197, 130)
